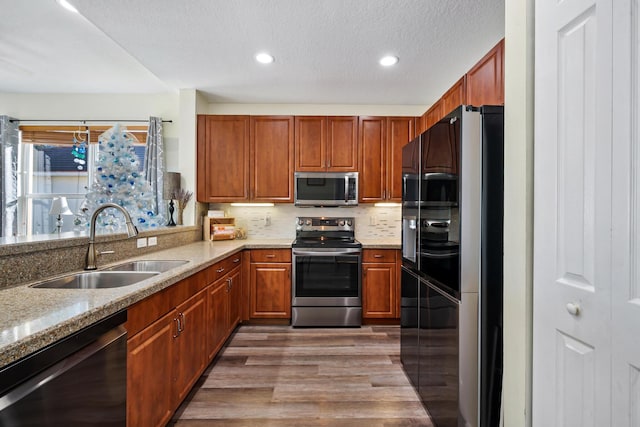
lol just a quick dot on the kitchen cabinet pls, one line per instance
(166, 358)
(270, 284)
(245, 158)
(271, 159)
(485, 80)
(224, 301)
(173, 335)
(454, 97)
(433, 114)
(381, 140)
(326, 144)
(380, 291)
(223, 158)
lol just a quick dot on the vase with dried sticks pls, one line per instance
(182, 196)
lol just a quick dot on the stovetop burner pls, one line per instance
(316, 232)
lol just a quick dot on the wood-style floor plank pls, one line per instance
(281, 376)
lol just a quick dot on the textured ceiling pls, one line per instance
(326, 50)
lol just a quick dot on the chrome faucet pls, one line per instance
(92, 253)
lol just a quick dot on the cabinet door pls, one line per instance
(271, 291)
(400, 131)
(150, 361)
(379, 290)
(454, 97)
(223, 158)
(311, 143)
(218, 316)
(485, 81)
(372, 144)
(433, 114)
(191, 351)
(272, 158)
(235, 298)
(342, 144)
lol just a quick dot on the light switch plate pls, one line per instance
(153, 241)
(142, 243)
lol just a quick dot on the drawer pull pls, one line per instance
(237, 260)
(378, 256)
(270, 256)
(220, 270)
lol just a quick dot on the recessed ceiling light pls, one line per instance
(67, 5)
(388, 61)
(264, 58)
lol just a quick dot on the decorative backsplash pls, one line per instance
(371, 222)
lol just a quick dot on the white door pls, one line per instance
(626, 215)
(572, 270)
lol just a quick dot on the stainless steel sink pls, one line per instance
(97, 280)
(147, 265)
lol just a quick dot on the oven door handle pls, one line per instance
(439, 254)
(331, 252)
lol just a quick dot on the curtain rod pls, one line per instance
(84, 121)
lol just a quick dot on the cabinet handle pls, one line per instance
(378, 256)
(175, 319)
(180, 325)
(237, 260)
(220, 270)
(328, 163)
(270, 256)
(228, 284)
(384, 194)
(573, 308)
(184, 323)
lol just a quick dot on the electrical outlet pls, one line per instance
(373, 220)
(142, 243)
(267, 219)
(153, 241)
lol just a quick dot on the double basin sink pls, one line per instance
(124, 274)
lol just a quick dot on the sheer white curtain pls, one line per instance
(154, 164)
(9, 140)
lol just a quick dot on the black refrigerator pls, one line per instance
(452, 279)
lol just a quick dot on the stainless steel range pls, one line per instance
(327, 279)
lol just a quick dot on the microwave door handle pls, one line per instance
(346, 189)
(438, 224)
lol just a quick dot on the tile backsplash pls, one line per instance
(277, 222)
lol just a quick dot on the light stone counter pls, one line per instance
(389, 243)
(31, 319)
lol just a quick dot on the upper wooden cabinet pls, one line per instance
(433, 114)
(271, 154)
(485, 81)
(381, 140)
(326, 144)
(223, 158)
(455, 96)
(244, 158)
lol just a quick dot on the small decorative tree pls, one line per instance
(117, 180)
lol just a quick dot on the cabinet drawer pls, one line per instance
(270, 255)
(221, 268)
(379, 255)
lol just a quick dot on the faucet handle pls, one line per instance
(105, 252)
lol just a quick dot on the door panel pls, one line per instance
(572, 214)
(626, 214)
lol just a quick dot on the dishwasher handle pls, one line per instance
(51, 373)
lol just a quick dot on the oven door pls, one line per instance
(327, 277)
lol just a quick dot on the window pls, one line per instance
(55, 162)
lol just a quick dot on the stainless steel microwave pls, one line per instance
(326, 188)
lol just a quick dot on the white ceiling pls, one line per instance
(326, 51)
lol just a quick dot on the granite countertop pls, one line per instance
(31, 319)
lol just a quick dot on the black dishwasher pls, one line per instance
(80, 380)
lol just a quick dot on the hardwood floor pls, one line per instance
(281, 376)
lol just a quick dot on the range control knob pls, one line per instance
(308, 222)
(341, 223)
(300, 221)
(349, 222)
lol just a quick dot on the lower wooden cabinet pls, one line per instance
(150, 364)
(270, 284)
(173, 335)
(380, 288)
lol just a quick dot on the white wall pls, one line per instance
(518, 220)
(318, 109)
